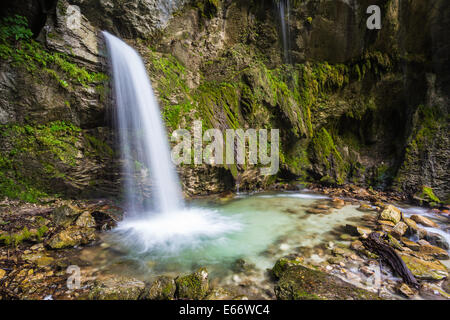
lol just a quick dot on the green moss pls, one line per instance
(18, 47)
(325, 153)
(427, 193)
(34, 153)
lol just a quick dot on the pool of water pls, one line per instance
(258, 228)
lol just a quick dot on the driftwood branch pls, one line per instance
(386, 253)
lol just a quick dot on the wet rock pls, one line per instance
(365, 208)
(410, 244)
(240, 265)
(423, 221)
(406, 291)
(117, 288)
(433, 292)
(317, 211)
(219, 294)
(163, 288)
(72, 236)
(391, 213)
(366, 271)
(433, 251)
(393, 242)
(40, 259)
(336, 260)
(194, 286)
(399, 229)
(425, 270)
(445, 285)
(337, 203)
(387, 223)
(357, 230)
(347, 237)
(85, 220)
(357, 245)
(282, 264)
(65, 215)
(437, 240)
(298, 282)
(411, 224)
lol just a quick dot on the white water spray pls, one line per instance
(142, 134)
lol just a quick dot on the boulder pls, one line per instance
(117, 288)
(423, 221)
(399, 229)
(72, 236)
(391, 213)
(433, 251)
(412, 225)
(298, 282)
(410, 244)
(425, 270)
(194, 286)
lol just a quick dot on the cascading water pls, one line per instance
(166, 226)
(284, 11)
(142, 134)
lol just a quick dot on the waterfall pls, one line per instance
(142, 134)
(284, 11)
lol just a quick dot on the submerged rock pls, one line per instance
(72, 236)
(298, 282)
(194, 286)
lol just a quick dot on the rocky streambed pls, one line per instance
(321, 251)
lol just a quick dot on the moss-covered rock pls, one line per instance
(194, 286)
(163, 288)
(72, 236)
(301, 283)
(425, 270)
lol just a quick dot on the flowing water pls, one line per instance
(284, 12)
(143, 138)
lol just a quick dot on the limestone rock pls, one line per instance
(399, 229)
(391, 213)
(423, 221)
(72, 236)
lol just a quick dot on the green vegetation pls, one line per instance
(34, 151)
(17, 45)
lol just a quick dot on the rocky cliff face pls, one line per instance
(354, 105)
